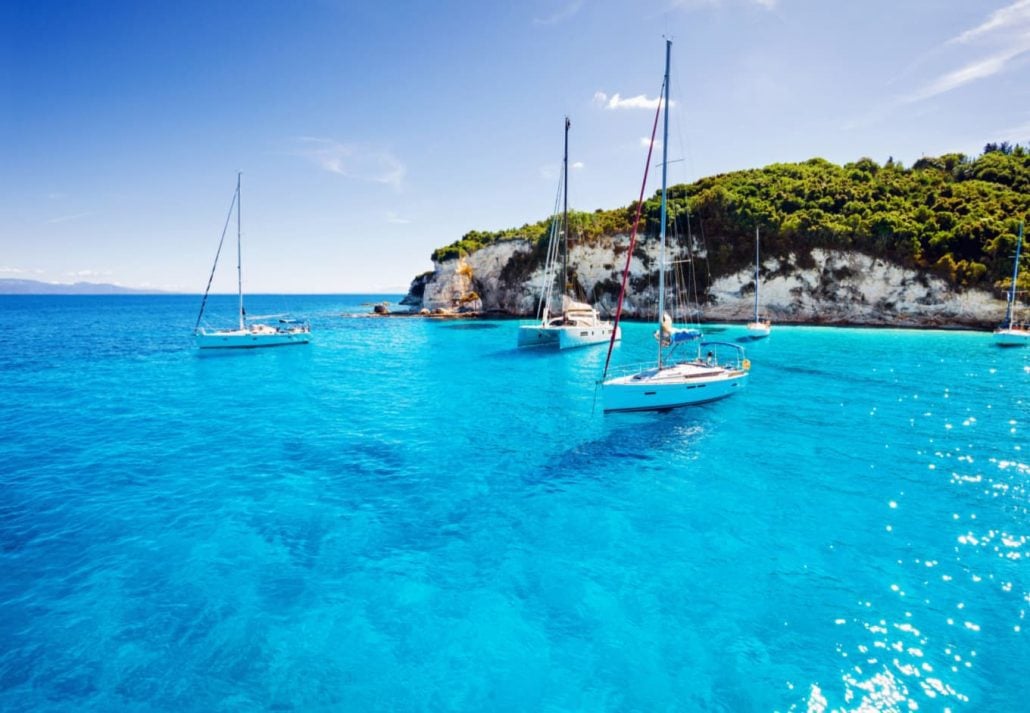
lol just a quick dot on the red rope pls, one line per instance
(633, 234)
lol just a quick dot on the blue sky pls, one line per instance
(370, 133)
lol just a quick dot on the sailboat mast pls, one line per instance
(756, 273)
(239, 250)
(1015, 276)
(565, 215)
(665, 169)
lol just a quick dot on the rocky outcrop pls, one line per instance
(851, 288)
(825, 287)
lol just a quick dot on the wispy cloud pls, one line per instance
(695, 4)
(67, 218)
(615, 101)
(89, 273)
(1016, 134)
(1013, 17)
(551, 171)
(1001, 38)
(978, 69)
(392, 217)
(11, 270)
(563, 13)
(645, 142)
(356, 161)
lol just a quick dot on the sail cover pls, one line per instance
(571, 305)
(670, 335)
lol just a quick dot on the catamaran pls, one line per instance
(759, 326)
(1012, 333)
(669, 383)
(577, 324)
(247, 335)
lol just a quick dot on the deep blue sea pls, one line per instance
(412, 515)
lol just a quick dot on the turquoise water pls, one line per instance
(412, 515)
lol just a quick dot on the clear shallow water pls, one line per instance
(412, 515)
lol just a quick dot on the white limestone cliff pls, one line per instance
(833, 287)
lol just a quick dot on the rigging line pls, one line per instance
(552, 252)
(687, 154)
(692, 293)
(218, 252)
(692, 286)
(633, 234)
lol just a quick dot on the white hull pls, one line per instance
(676, 386)
(1012, 337)
(566, 336)
(537, 335)
(258, 335)
(758, 330)
(573, 337)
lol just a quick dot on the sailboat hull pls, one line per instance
(678, 386)
(573, 337)
(1012, 337)
(758, 330)
(569, 336)
(536, 335)
(252, 338)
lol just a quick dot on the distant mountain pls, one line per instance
(10, 286)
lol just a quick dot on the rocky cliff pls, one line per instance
(820, 287)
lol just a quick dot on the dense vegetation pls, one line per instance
(954, 215)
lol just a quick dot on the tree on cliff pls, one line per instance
(953, 215)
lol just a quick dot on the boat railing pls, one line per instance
(724, 354)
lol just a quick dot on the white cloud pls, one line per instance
(67, 218)
(1003, 37)
(392, 217)
(638, 102)
(577, 165)
(12, 271)
(615, 101)
(353, 160)
(561, 14)
(979, 69)
(645, 142)
(1016, 134)
(1014, 17)
(695, 4)
(89, 273)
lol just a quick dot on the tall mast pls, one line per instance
(565, 215)
(1015, 276)
(665, 168)
(756, 273)
(239, 251)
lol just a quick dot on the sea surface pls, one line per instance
(411, 515)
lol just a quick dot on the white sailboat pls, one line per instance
(670, 384)
(759, 327)
(578, 324)
(1012, 333)
(247, 335)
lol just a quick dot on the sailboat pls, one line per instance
(247, 335)
(1012, 333)
(670, 384)
(577, 324)
(758, 327)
